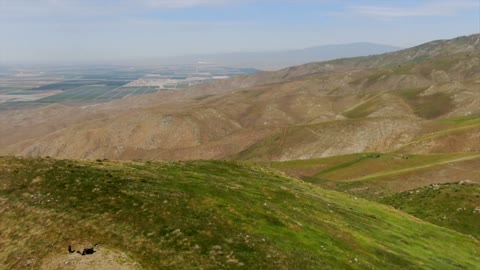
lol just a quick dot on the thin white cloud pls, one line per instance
(429, 9)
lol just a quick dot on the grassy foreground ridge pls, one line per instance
(211, 215)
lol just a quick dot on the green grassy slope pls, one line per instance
(455, 206)
(445, 135)
(365, 108)
(447, 132)
(209, 214)
(428, 107)
(288, 143)
(404, 183)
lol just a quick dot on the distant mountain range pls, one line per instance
(279, 59)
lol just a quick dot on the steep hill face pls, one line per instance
(205, 214)
(419, 100)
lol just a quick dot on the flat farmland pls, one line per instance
(75, 84)
(37, 87)
(25, 96)
(83, 94)
(6, 90)
(88, 93)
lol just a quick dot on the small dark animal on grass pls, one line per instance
(86, 251)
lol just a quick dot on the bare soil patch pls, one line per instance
(102, 259)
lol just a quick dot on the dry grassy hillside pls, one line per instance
(206, 215)
(385, 103)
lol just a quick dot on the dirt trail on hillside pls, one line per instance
(410, 169)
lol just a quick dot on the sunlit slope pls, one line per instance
(458, 134)
(455, 206)
(398, 134)
(208, 214)
(375, 175)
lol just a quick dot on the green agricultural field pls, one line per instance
(69, 95)
(210, 215)
(170, 86)
(7, 90)
(115, 93)
(74, 84)
(127, 91)
(83, 93)
(183, 85)
(7, 106)
(148, 90)
(19, 92)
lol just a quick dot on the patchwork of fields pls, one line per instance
(37, 87)
(23, 99)
(98, 92)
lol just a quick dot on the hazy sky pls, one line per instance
(103, 30)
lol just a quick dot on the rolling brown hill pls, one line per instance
(420, 100)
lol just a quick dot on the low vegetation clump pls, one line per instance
(427, 106)
(210, 215)
(365, 109)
